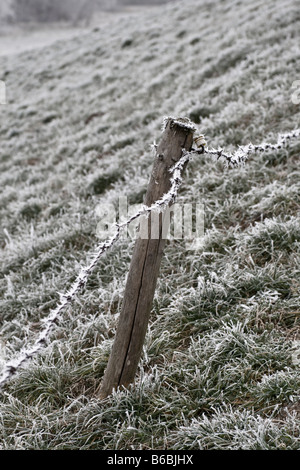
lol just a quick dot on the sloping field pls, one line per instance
(219, 368)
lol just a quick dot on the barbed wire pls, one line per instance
(242, 154)
(231, 159)
(13, 366)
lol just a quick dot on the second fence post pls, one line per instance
(145, 264)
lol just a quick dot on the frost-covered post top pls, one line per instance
(184, 122)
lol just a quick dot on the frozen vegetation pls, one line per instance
(219, 367)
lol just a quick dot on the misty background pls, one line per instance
(74, 11)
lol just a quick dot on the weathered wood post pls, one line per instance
(144, 268)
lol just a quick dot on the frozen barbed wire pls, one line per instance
(12, 367)
(231, 159)
(242, 154)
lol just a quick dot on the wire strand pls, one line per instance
(12, 367)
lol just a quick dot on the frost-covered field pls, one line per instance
(219, 370)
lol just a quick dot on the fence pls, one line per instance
(172, 156)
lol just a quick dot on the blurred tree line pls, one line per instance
(18, 11)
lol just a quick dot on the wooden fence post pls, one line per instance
(144, 267)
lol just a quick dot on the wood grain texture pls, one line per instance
(144, 268)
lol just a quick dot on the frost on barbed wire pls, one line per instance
(237, 158)
(11, 368)
(241, 155)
